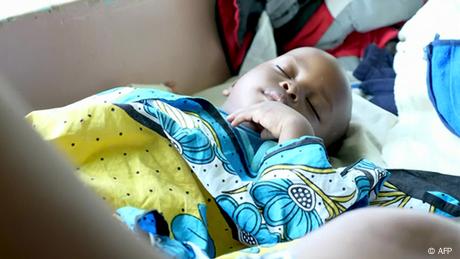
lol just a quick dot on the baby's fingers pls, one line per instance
(239, 117)
(231, 117)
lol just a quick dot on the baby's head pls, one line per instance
(308, 80)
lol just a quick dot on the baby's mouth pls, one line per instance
(272, 95)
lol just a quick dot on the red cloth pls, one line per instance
(312, 31)
(356, 43)
(228, 11)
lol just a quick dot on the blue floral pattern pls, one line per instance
(284, 197)
(190, 142)
(288, 204)
(225, 163)
(188, 228)
(251, 230)
(154, 225)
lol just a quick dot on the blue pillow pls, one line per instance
(443, 80)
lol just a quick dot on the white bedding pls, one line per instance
(419, 140)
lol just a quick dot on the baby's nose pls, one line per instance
(290, 90)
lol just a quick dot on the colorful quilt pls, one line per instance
(177, 173)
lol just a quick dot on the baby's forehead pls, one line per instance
(304, 56)
(307, 51)
(313, 61)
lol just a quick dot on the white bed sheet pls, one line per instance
(419, 140)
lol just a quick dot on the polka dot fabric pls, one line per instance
(128, 164)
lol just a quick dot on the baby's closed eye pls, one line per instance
(313, 108)
(283, 71)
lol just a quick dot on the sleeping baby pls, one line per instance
(301, 93)
(196, 179)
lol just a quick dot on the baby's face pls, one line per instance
(307, 80)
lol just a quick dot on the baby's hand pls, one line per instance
(278, 120)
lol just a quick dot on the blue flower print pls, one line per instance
(192, 146)
(225, 163)
(287, 204)
(249, 222)
(188, 228)
(154, 224)
(191, 143)
(364, 186)
(174, 248)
